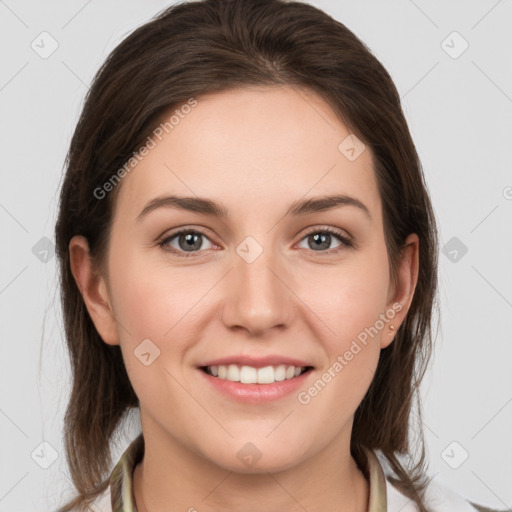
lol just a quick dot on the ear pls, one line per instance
(402, 292)
(93, 287)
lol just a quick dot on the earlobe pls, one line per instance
(407, 278)
(93, 288)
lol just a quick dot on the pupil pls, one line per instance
(190, 240)
(322, 239)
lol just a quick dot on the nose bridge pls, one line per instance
(257, 299)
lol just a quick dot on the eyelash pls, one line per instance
(346, 243)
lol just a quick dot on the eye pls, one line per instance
(188, 241)
(322, 238)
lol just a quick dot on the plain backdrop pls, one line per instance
(451, 64)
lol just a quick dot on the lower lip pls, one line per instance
(256, 393)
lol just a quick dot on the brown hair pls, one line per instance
(208, 46)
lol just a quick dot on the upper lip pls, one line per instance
(256, 362)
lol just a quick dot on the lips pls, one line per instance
(256, 385)
(256, 362)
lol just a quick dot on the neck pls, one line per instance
(315, 484)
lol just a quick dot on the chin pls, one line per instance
(251, 459)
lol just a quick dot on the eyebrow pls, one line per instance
(209, 207)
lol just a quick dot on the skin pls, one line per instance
(255, 150)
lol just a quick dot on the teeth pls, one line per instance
(250, 375)
(266, 375)
(234, 373)
(280, 373)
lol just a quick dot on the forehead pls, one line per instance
(252, 148)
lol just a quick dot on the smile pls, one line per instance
(251, 375)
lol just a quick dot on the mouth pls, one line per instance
(245, 374)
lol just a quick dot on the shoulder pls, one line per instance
(438, 498)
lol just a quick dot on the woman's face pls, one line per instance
(264, 285)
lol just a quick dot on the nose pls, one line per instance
(257, 298)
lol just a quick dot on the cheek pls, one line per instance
(351, 303)
(349, 297)
(155, 303)
(149, 295)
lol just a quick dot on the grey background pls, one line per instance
(460, 115)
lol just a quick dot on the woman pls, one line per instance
(248, 255)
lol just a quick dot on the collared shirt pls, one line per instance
(383, 496)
